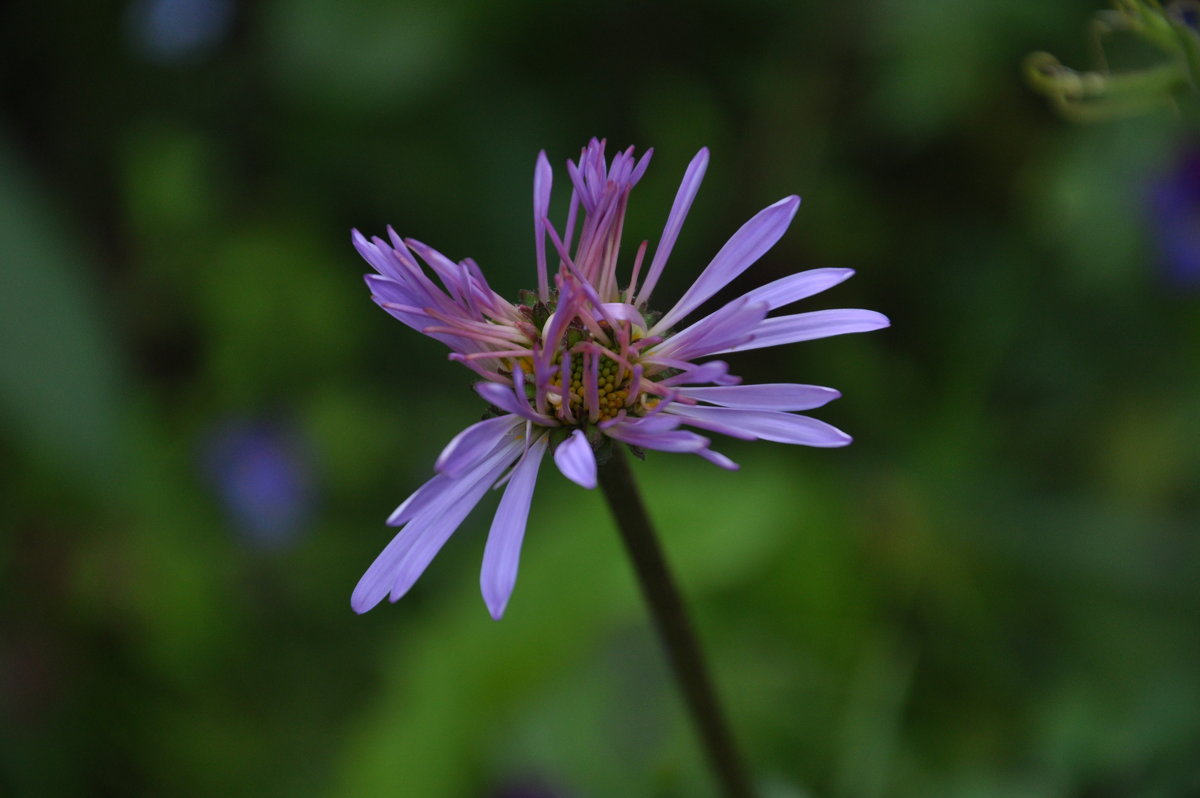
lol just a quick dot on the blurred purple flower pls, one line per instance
(171, 31)
(583, 363)
(1175, 220)
(528, 789)
(262, 475)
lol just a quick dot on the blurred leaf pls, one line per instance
(62, 383)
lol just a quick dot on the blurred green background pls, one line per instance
(204, 421)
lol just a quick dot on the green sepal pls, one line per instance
(541, 313)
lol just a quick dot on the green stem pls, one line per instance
(674, 628)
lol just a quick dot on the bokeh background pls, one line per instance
(204, 421)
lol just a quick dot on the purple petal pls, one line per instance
(795, 287)
(679, 211)
(669, 441)
(774, 396)
(716, 371)
(506, 399)
(766, 425)
(728, 327)
(475, 443)
(808, 326)
(543, 178)
(503, 551)
(576, 461)
(718, 459)
(445, 504)
(746, 246)
(430, 529)
(421, 498)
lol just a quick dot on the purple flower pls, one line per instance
(1175, 218)
(583, 361)
(263, 479)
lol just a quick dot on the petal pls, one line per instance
(576, 460)
(505, 398)
(746, 246)
(730, 326)
(773, 396)
(664, 441)
(503, 551)
(543, 178)
(474, 443)
(809, 326)
(679, 211)
(795, 287)
(718, 459)
(431, 528)
(444, 505)
(766, 425)
(715, 371)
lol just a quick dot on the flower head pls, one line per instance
(583, 362)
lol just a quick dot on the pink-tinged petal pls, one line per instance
(449, 272)
(766, 425)
(795, 287)
(746, 246)
(506, 399)
(576, 460)
(692, 179)
(475, 443)
(444, 504)
(774, 396)
(543, 178)
(809, 326)
(502, 554)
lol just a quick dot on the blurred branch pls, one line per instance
(1100, 94)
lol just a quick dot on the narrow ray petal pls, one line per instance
(502, 553)
(474, 443)
(692, 179)
(431, 528)
(766, 425)
(795, 287)
(773, 396)
(746, 246)
(810, 326)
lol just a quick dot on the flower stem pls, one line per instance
(674, 627)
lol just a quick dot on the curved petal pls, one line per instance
(692, 179)
(769, 396)
(746, 246)
(809, 326)
(576, 460)
(506, 399)
(474, 443)
(801, 285)
(729, 326)
(543, 178)
(447, 502)
(502, 554)
(765, 425)
(431, 528)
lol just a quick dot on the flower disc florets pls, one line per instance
(581, 362)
